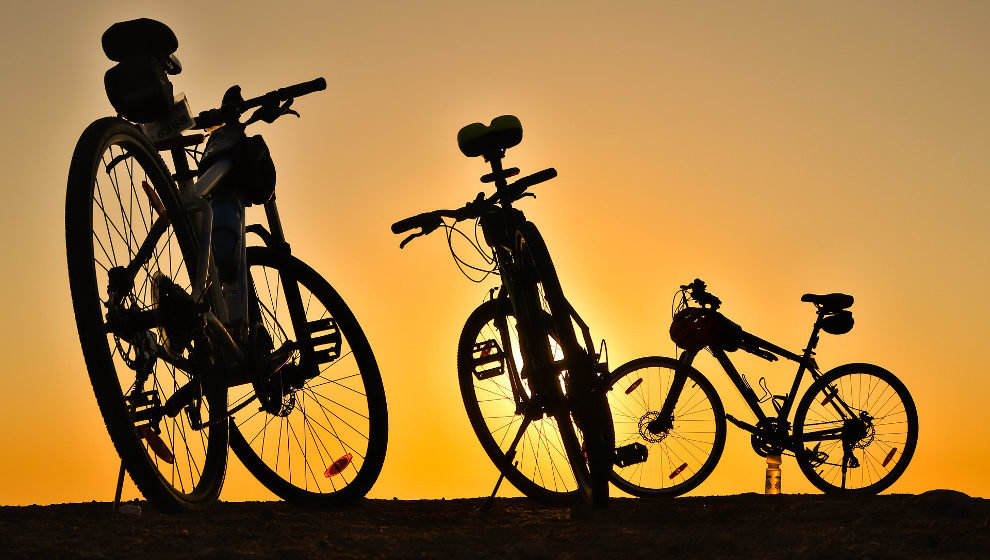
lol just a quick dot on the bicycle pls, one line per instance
(533, 388)
(193, 339)
(854, 430)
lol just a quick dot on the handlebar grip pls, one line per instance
(319, 84)
(534, 179)
(409, 223)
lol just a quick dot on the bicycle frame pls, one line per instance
(193, 195)
(768, 351)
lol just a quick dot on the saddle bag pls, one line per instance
(139, 89)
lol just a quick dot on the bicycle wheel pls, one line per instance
(859, 427)
(130, 247)
(585, 394)
(316, 432)
(496, 398)
(683, 453)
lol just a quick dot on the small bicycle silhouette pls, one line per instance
(532, 385)
(854, 430)
(174, 308)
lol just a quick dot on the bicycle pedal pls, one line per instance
(631, 454)
(147, 410)
(487, 359)
(324, 332)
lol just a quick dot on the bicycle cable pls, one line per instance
(462, 265)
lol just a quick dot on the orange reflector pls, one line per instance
(830, 396)
(486, 352)
(678, 471)
(635, 384)
(338, 466)
(156, 444)
(889, 457)
(156, 202)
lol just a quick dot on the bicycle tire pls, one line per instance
(680, 459)
(342, 415)
(541, 469)
(872, 390)
(110, 158)
(585, 395)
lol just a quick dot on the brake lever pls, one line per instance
(410, 238)
(270, 112)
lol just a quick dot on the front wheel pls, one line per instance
(682, 450)
(315, 431)
(857, 427)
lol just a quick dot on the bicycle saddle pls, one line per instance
(477, 139)
(829, 303)
(139, 37)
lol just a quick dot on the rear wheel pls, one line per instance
(585, 397)
(315, 432)
(859, 428)
(131, 255)
(682, 452)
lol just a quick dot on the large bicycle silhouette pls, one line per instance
(191, 336)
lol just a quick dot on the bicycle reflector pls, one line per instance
(635, 384)
(338, 466)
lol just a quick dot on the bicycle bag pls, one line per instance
(253, 173)
(139, 89)
(138, 86)
(839, 322)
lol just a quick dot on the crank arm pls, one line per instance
(743, 425)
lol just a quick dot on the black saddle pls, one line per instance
(139, 37)
(477, 139)
(829, 303)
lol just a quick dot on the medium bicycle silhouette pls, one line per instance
(532, 383)
(854, 430)
(191, 337)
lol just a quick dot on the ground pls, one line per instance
(937, 524)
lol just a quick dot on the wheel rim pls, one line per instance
(883, 432)
(126, 191)
(540, 458)
(678, 457)
(318, 442)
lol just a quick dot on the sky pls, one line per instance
(772, 148)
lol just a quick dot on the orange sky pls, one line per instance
(771, 148)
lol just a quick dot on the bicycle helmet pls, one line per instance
(692, 328)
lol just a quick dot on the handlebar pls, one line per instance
(228, 113)
(700, 294)
(429, 221)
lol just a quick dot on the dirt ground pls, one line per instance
(937, 524)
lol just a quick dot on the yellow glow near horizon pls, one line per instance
(771, 149)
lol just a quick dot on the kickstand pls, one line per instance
(509, 455)
(120, 488)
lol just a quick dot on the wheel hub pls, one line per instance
(651, 429)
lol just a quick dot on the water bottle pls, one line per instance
(773, 475)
